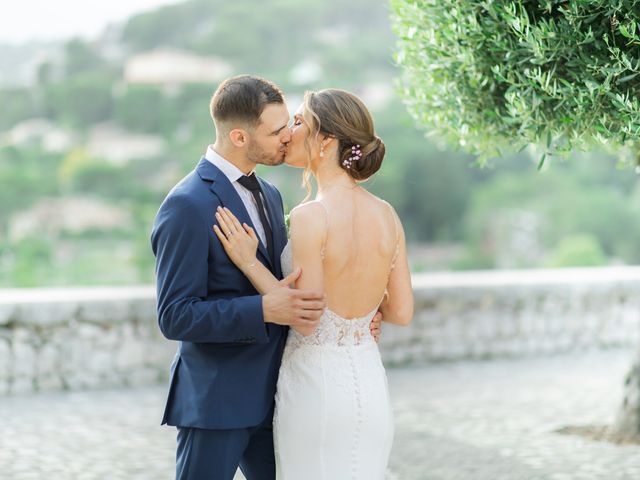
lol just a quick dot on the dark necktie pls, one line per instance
(250, 182)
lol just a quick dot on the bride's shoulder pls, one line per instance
(308, 212)
(304, 225)
(391, 214)
(373, 198)
(382, 203)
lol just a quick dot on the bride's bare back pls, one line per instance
(360, 252)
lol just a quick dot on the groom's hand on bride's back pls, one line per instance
(296, 308)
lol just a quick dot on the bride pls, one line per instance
(333, 417)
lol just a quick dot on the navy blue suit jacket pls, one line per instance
(226, 367)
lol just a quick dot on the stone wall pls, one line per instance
(54, 339)
(516, 313)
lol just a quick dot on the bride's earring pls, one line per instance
(321, 151)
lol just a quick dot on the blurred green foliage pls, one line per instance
(79, 101)
(577, 251)
(495, 76)
(506, 214)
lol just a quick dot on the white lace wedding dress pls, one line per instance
(333, 418)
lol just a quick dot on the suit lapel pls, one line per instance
(228, 196)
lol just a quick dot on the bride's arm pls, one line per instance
(307, 238)
(397, 306)
(241, 243)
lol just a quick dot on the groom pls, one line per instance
(224, 374)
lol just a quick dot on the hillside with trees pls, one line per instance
(92, 143)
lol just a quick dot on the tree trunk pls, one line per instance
(628, 420)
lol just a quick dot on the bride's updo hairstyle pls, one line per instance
(343, 115)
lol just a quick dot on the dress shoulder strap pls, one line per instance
(326, 226)
(397, 232)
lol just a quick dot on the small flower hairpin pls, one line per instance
(356, 154)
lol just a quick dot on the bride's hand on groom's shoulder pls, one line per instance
(239, 240)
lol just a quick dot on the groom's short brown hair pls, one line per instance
(243, 99)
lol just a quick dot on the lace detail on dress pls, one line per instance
(286, 259)
(336, 331)
(333, 329)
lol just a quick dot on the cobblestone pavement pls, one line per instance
(491, 420)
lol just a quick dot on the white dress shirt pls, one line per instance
(233, 173)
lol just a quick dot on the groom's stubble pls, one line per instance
(257, 155)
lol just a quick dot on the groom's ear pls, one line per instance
(238, 137)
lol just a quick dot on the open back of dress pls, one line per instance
(333, 416)
(360, 248)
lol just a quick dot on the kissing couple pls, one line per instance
(278, 370)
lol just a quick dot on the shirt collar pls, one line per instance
(230, 171)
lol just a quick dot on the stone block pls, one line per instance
(8, 313)
(21, 385)
(81, 379)
(135, 353)
(48, 360)
(6, 359)
(24, 360)
(48, 314)
(104, 312)
(99, 361)
(143, 376)
(48, 381)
